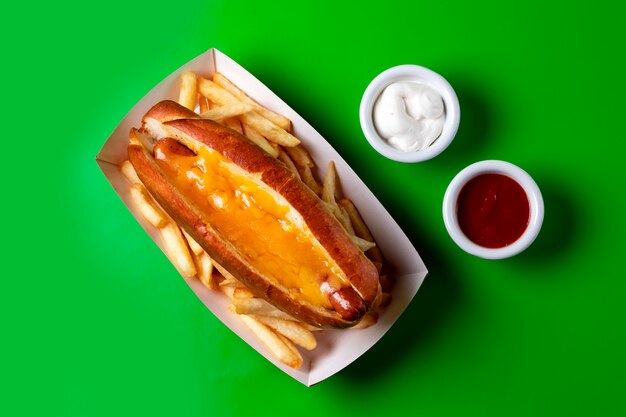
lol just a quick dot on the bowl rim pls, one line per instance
(535, 201)
(403, 73)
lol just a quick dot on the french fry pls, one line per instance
(277, 119)
(265, 127)
(243, 292)
(286, 159)
(329, 187)
(268, 129)
(230, 293)
(291, 330)
(129, 172)
(292, 348)
(357, 221)
(233, 288)
(275, 313)
(277, 345)
(343, 218)
(303, 161)
(203, 103)
(188, 90)
(258, 306)
(230, 281)
(363, 244)
(252, 306)
(193, 245)
(361, 229)
(147, 206)
(329, 192)
(214, 92)
(307, 177)
(226, 110)
(233, 123)
(255, 137)
(176, 247)
(204, 266)
(300, 156)
(310, 327)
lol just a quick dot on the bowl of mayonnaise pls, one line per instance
(409, 113)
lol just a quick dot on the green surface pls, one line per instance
(96, 322)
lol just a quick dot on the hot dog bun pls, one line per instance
(254, 217)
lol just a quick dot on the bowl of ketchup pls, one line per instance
(493, 209)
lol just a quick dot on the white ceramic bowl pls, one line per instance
(405, 73)
(535, 201)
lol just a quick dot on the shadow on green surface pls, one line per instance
(475, 128)
(561, 224)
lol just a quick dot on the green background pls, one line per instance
(95, 321)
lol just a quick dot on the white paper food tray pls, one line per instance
(336, 348)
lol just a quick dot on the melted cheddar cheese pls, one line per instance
(268, 234)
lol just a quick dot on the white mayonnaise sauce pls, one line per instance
(409, 115)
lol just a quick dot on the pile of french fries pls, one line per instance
(221, 100)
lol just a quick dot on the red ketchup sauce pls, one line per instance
(493, 210)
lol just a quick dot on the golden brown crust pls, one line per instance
(169, 110)
(362, 274)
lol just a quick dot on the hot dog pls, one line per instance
(254, 217)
